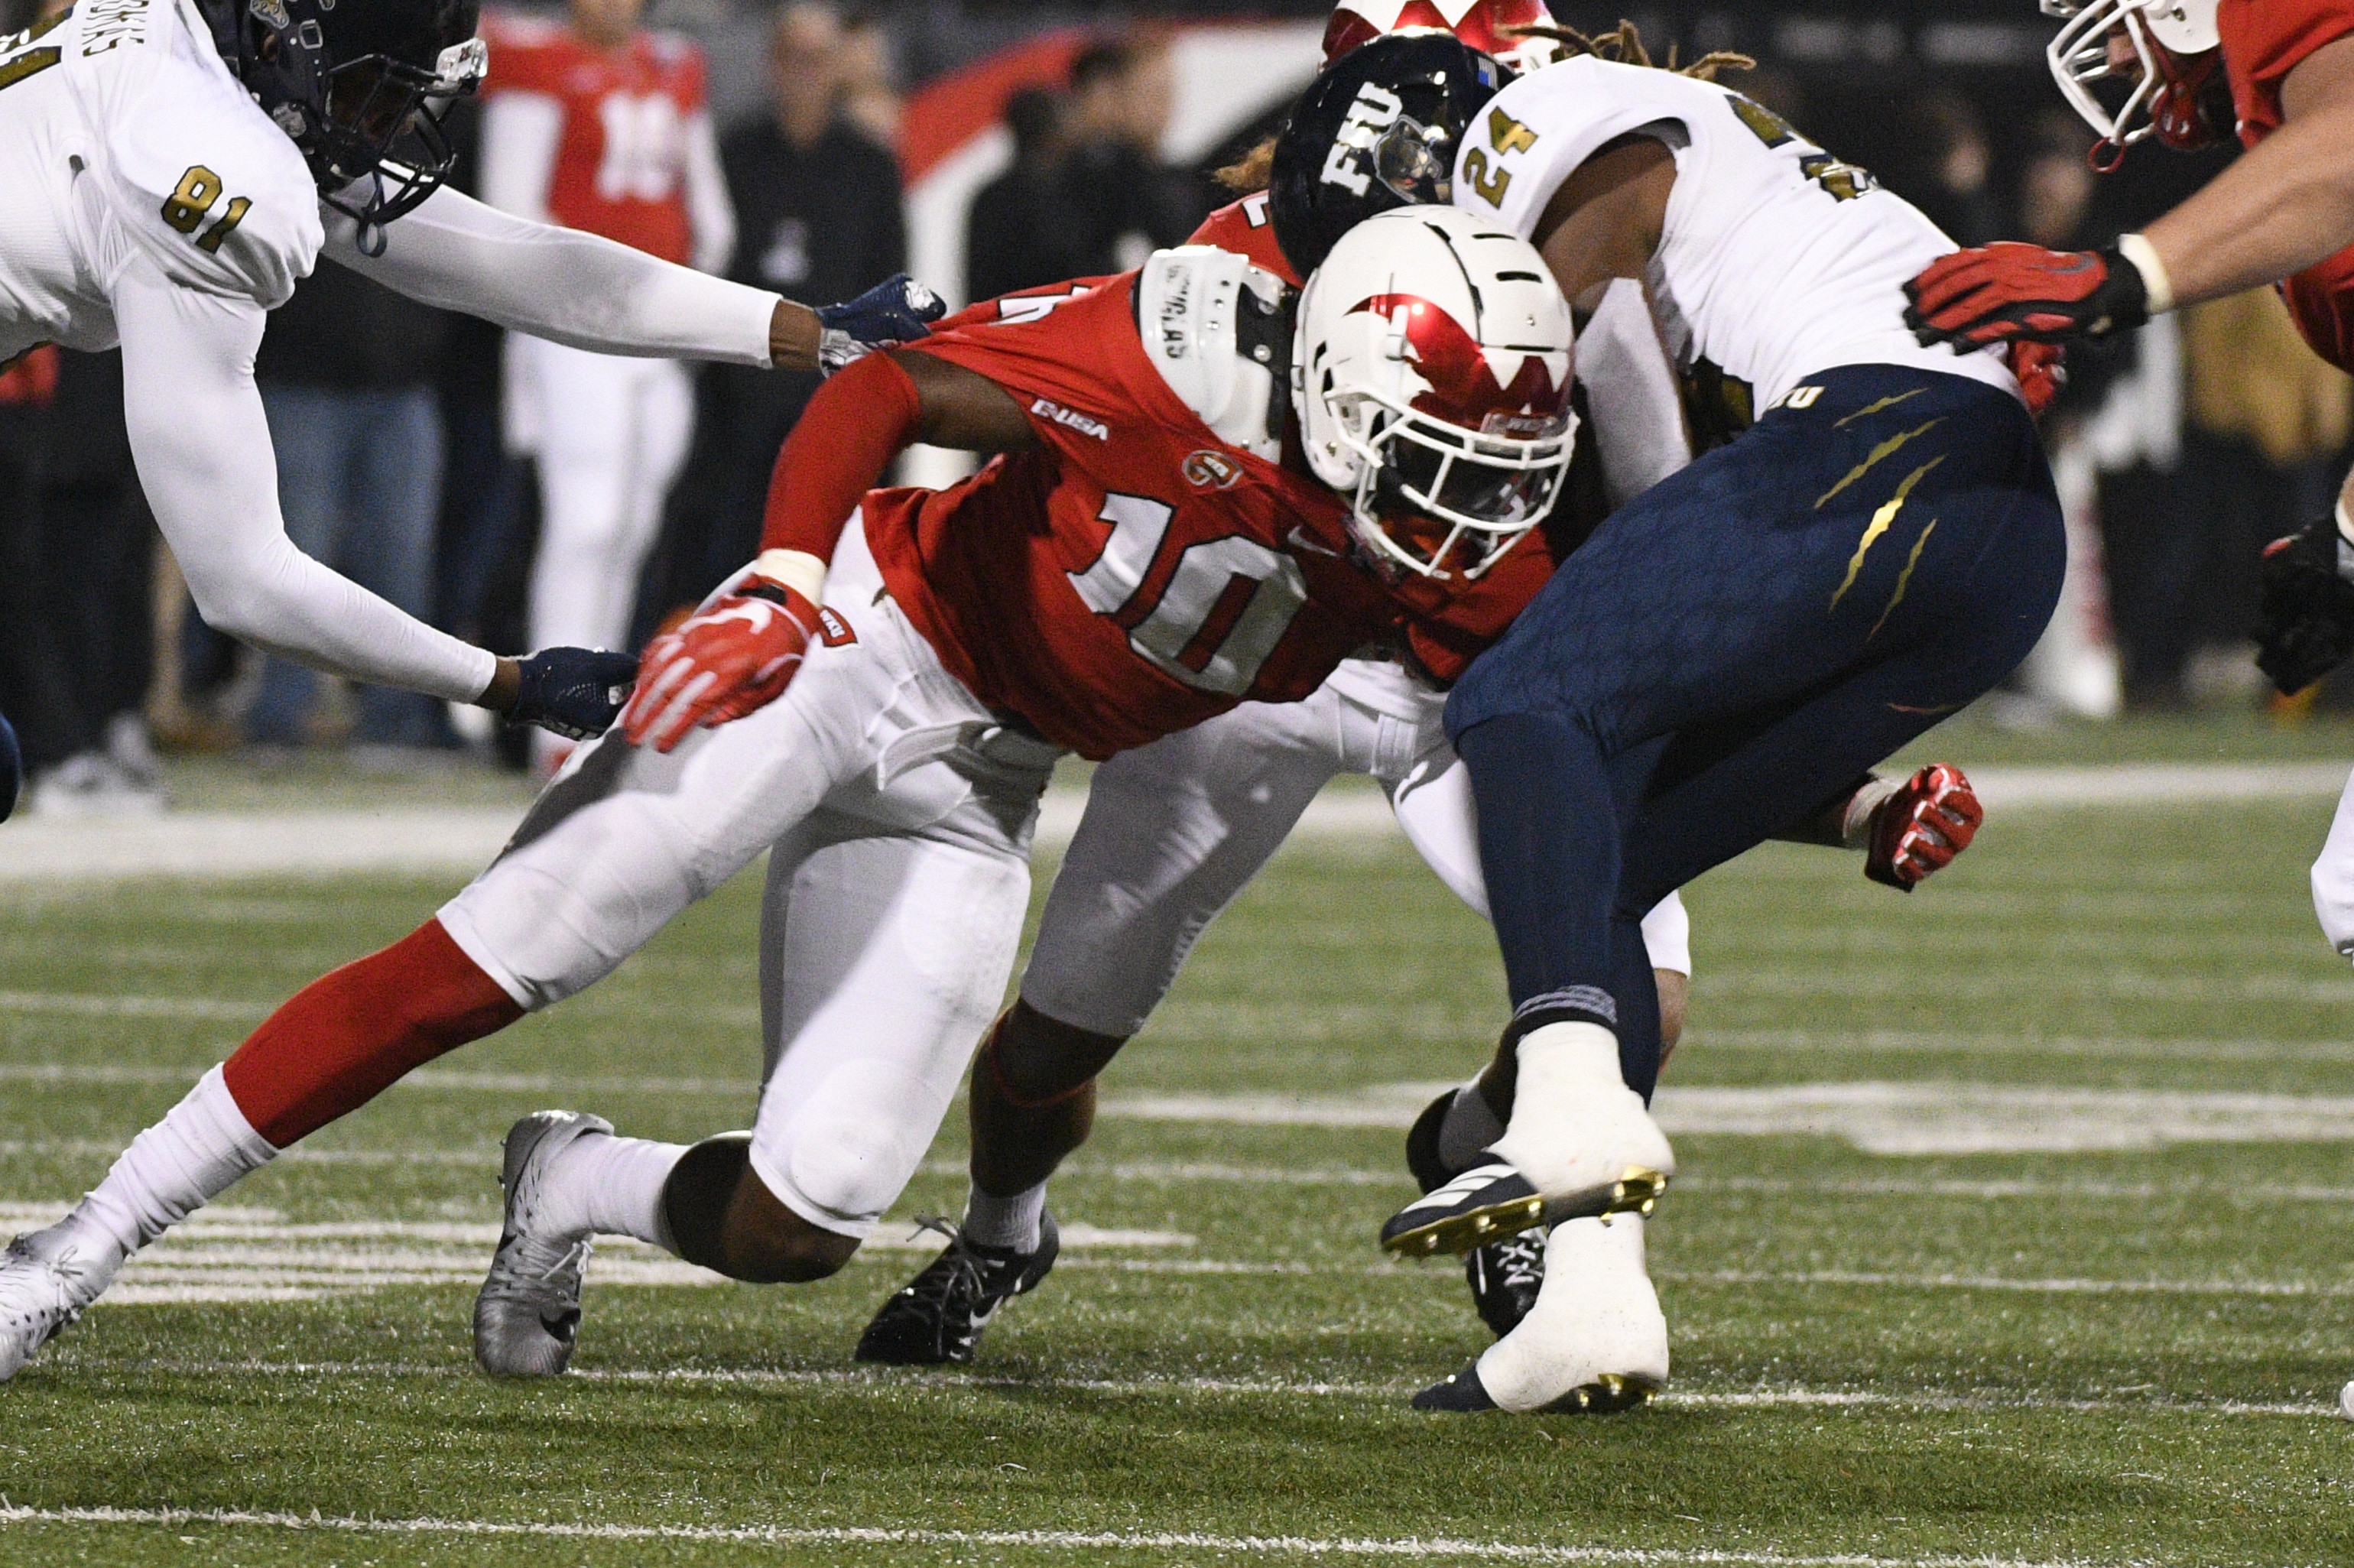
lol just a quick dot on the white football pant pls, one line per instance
(900, 810)
(611, 435)
(1174, 830)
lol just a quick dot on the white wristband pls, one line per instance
(2155, 282)
(797, 569)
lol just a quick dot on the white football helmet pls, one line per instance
(1431, 367)
(1488, 25)
(2176, 47)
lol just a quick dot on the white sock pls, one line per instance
(606, 1185)
(1004, 1221)
(1469, 1126)
(196, 1152)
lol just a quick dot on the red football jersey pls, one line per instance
(2264, 41)
(1451, 631)
(621, 163)
(1133, 575)
(1244, 227)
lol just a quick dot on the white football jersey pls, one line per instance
(123, 135)
(1779, 259)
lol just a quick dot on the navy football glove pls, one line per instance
(2305, 626)
(575, 692)
(898, 310)
(12, 768)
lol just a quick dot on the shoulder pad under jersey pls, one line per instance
(1219, 330)
(210, 189)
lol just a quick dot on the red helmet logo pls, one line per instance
(1485, 25)
(1464, 386)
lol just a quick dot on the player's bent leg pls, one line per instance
(1031, 1103)
(724, 1217)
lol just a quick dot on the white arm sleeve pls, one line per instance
(520, 132)
(1631, 391)
(203, 450)
(560, 284)
(709, 213)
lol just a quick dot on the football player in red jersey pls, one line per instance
(1149, 551)
(600, 126)
(1173, 832)
(2283, 214)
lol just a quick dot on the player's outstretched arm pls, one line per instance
(588, 292)
(2286, 205)
(203, 449)
(2283, 205)
(742, 649)
(204, 455)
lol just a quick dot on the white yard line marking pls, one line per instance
(1896, 1118)
(238, 1253)
(203, 1009)
(456, 841)
(1413, 1547)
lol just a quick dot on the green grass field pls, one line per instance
(2026, 1330)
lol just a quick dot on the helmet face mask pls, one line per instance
(1449, 445)
(361, 92)
(2172, 77)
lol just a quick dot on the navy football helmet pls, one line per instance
(362, 87)
(1377, 129)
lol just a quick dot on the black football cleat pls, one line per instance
(1491, 1201)
(1610, 1394)
(936, 1317)
(1462, 1392)
(1422, 1157)
(1504, 1276)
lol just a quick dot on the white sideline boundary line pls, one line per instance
(206, 845)
(1411, 1547)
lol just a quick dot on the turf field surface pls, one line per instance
(2016, 1224)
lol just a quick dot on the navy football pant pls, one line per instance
(1733, 650)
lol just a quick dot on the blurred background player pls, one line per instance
(601, 126)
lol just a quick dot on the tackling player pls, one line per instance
(1174, 831)
(1144, 557)
(174, 170)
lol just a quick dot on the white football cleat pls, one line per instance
(2346, 1402)
(527, 1314)
(46, 1280)
(1595, 1342)
(1580, 1143)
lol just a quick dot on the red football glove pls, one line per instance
(1918, 830)
(2010, 290)
(2043, 372)
(734, 657)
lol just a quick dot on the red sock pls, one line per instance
(349, 1037)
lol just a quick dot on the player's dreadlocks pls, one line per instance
(1251, 172)
(1623, 45)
